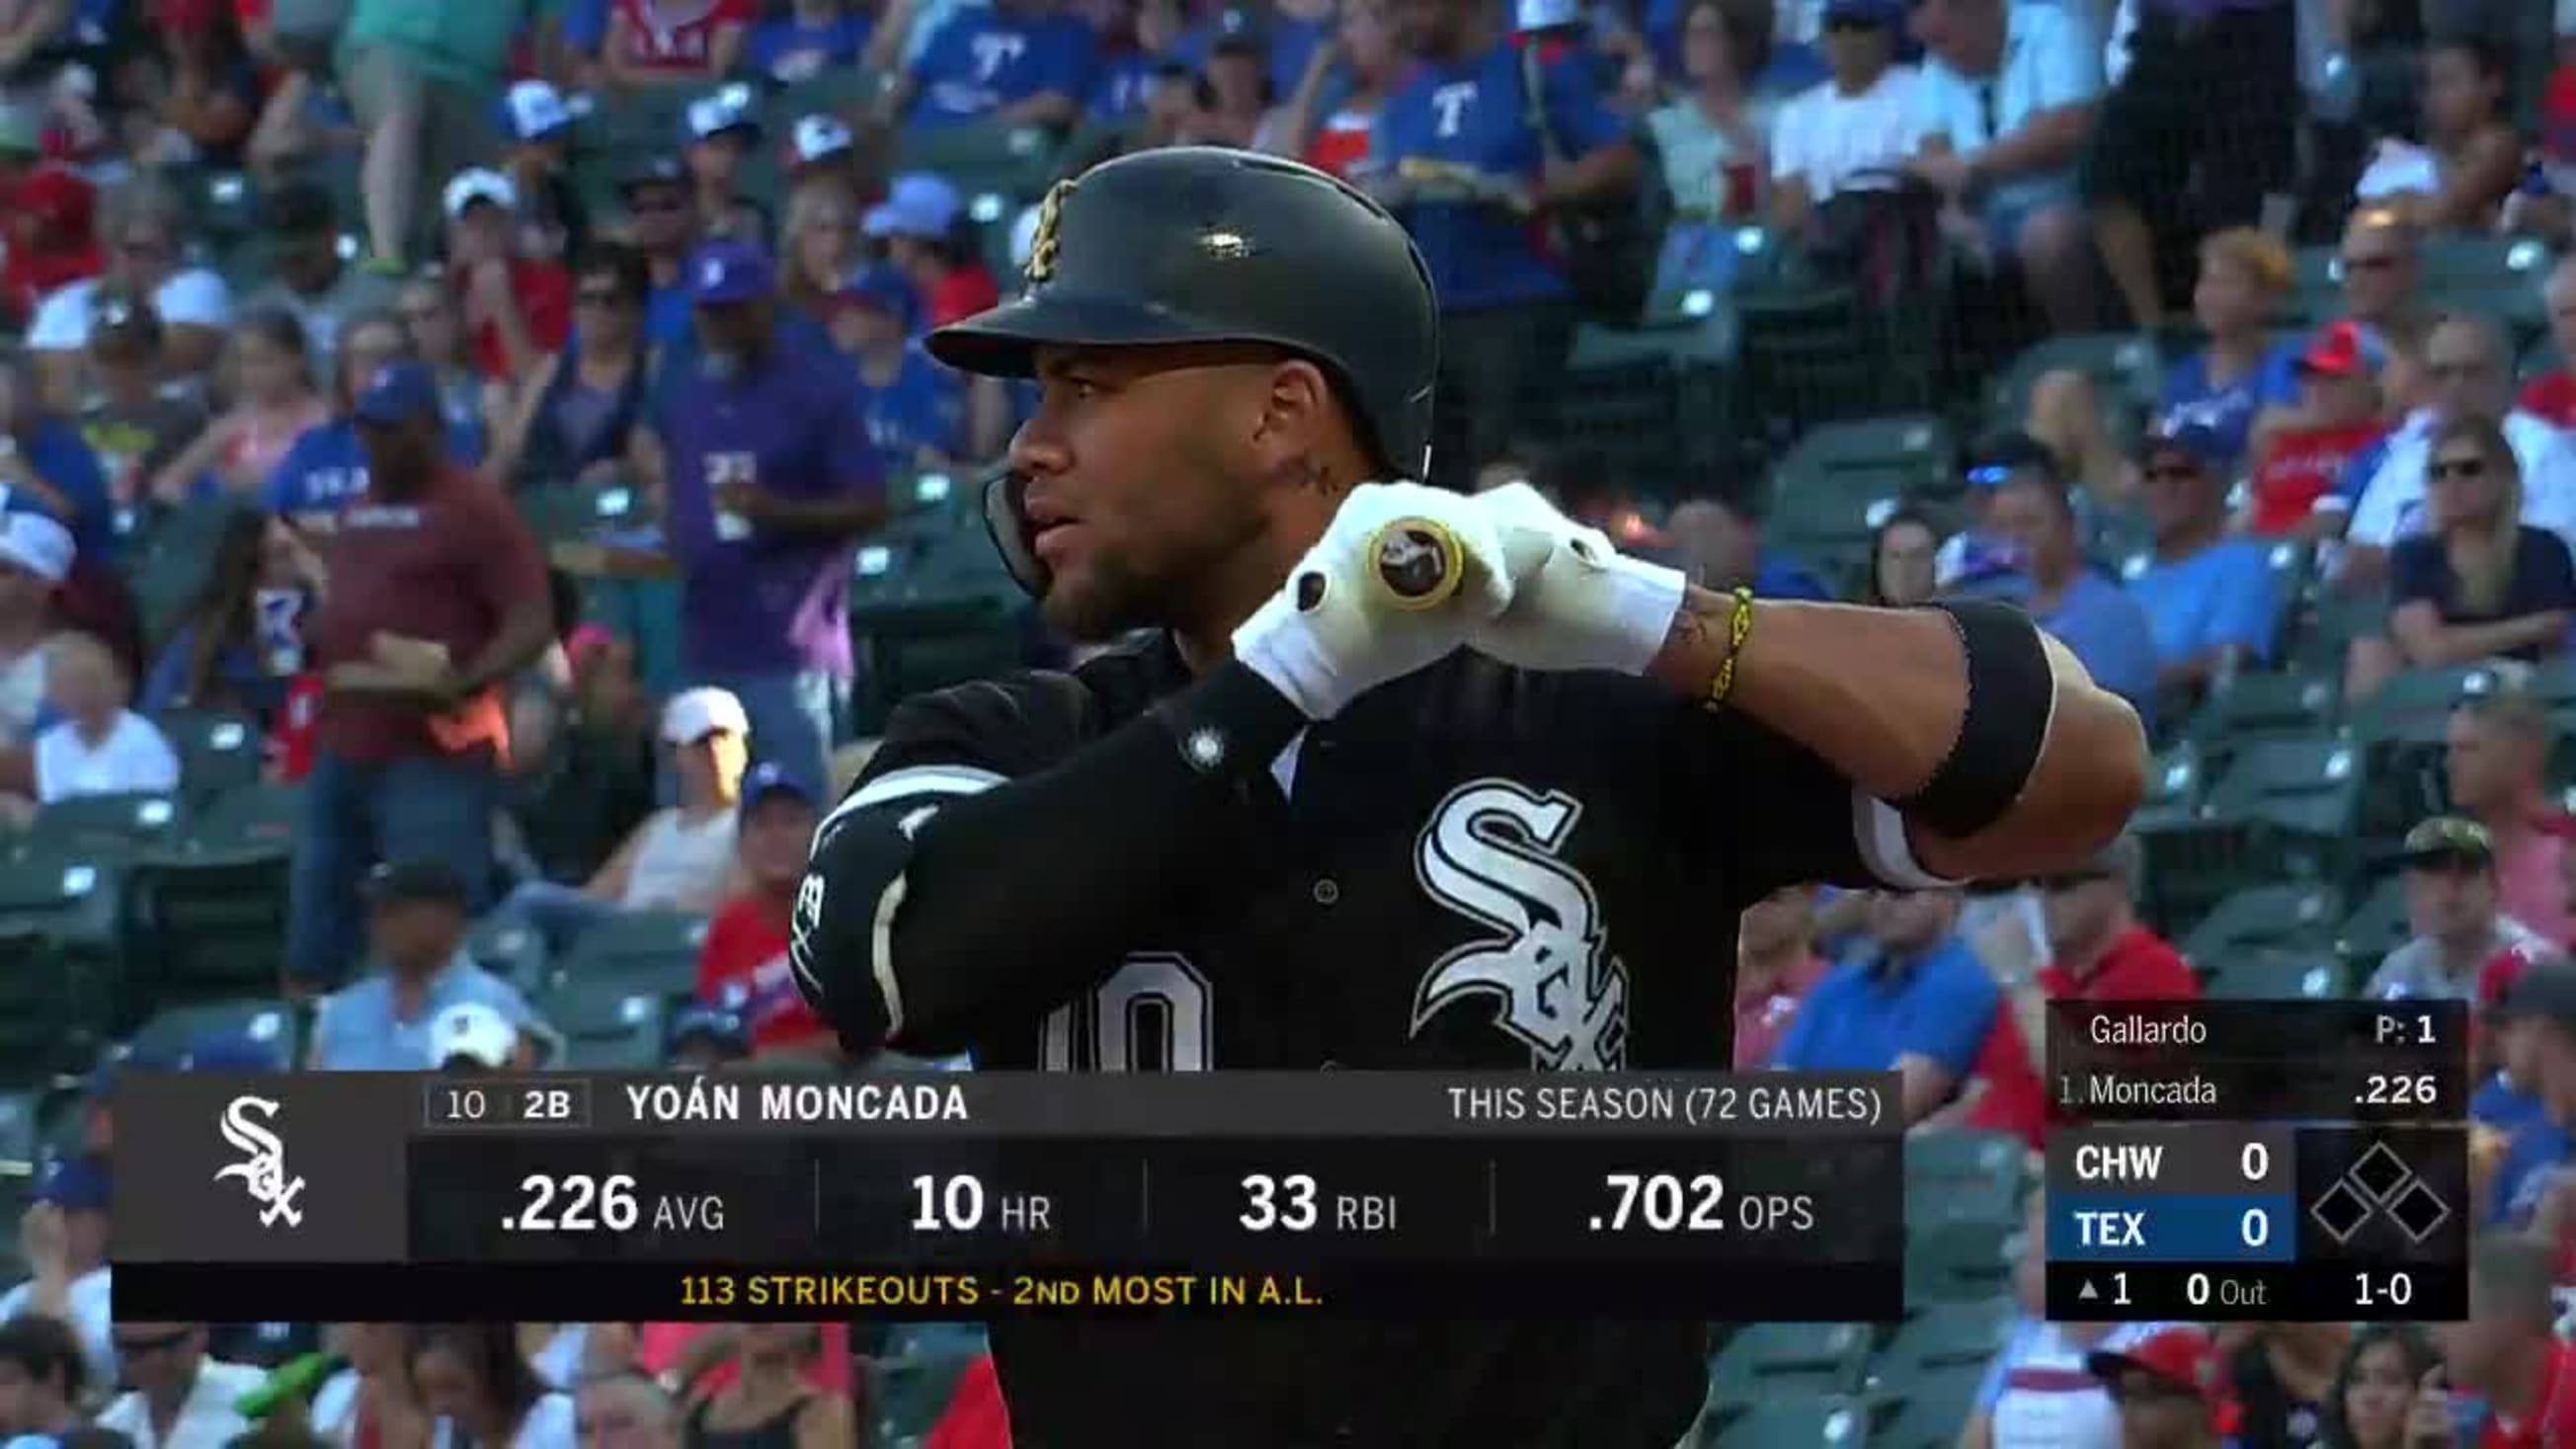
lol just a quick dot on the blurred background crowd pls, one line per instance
(469, 489)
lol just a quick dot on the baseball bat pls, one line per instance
(1418, 563)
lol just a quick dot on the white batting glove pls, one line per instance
(1577, 602)
(1334, 631)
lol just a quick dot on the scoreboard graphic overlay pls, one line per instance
(950, 1196)
(2283, 1160)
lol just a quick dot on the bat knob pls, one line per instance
(1419, 562)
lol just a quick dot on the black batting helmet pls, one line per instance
(1207, 244)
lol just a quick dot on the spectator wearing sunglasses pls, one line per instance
(576, 419)
(181, 1397)
(2482, 583)
(663, 225)
(2209, 595)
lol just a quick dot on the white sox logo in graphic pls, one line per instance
(262, 1169)
(1490, 853)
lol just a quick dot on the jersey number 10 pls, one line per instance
(1151, 1015)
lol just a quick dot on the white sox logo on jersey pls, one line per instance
(1491, 853)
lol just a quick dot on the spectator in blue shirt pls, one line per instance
(1917, 1003)
(812, 37)
(2211, 599)
(416, 925)
(719, 133)
(2008, 91)
(1010, 63)
(915, 408)
(327, 466)
(664, 227)
(2544, 1001)
(771, 478)
(1126, 81)
(1457, 153)
(2086, 611)
(1287, 34)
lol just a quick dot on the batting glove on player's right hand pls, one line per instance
(1577, 602)
(1337, 629)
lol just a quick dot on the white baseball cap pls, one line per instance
(476, 1032)
(37, 544)
(479, 183)
(817, 137)
(694, 714)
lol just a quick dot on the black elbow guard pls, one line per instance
(2012, 694)
(839, 937)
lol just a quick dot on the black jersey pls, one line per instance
(1470, 868)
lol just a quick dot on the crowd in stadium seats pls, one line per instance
(469, 486)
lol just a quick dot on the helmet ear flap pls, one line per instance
(1007, 520)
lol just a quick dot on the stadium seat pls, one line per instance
(565, 512)
(1947, 1335)
(912, 1386)
(1992, 1200)
(63, 953)
(172, 1033)
(218, 751)
(510, 950)
(2415, 707)
(2303, 798)
(2127, 374)
(1762, 1359)
(1932, 1405)
(2266, 706)
(606, 1025)
(2272, 975)
(125, 821)
(930, 606)
(1916, 449)
(214, 898)
(2297, 916)
(1016, 162)
(1957, 1259)
(1835, 1421)
(1963, 1156)
(655, 952)
(2175, 782)
(2377, 926)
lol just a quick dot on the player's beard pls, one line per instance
(1111, 596)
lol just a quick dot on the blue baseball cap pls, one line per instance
(729, 109)
(884, 288)
(699, 1021)
(730, 271)
(917, 204)
(1888, 13)
(1997, 458)
(767, 781)
(2189, 435)
(397, 393)
(532, 110)
(75, 1184)
(233, 1051)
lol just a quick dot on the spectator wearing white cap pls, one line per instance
(718, 134)
(536, 121)
(812, 37)
(680, 858)
(918, 224)
(820, 149)
(666, 43)
(473, 1037)
(519, 308)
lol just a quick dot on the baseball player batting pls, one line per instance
(1397, 779)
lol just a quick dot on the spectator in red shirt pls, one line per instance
(917, 222)
(976, 1416)
(520, 309)
(1775, 963)
(2507, 1355)
(2552, 395)
(675, 42)
(2167, 1387)
(743, 967)
(2341, 415)
(438, 597)
(53, 237)
(2100, 951)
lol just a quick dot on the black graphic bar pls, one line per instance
(734, 1293)
(2220, 1292)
